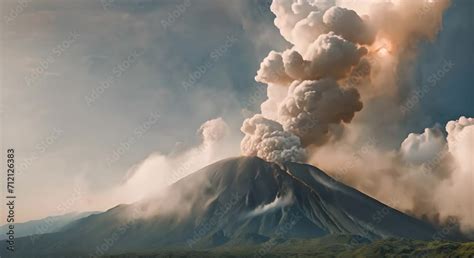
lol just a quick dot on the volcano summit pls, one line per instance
(234, 202)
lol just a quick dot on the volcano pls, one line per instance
(234, 202)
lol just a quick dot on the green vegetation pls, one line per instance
(331, 246)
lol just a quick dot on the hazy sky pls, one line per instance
(79, 77)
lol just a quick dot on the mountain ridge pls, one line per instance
(233, 202)
(45, 225)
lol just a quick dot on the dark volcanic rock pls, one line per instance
(238, 201)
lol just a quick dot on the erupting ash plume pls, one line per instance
(311, 104)
(311, 107)
(328, 56)
(344, 80)
(267, 139)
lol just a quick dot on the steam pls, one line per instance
(214, 130)
(335, 100)
(328, 56)
(420, 148)
(342, 85)
(158, 171)
(266, 139)
(302, 22)
(458, 190)
(279, 202)
(349, 24)
(304, 95)
(311, 107)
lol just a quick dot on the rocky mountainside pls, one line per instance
(234, 202)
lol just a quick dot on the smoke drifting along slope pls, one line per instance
(345, 80)
(158, 171)
(239, 202)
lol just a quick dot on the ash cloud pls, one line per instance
(350, 25)
(154, 174)
(311, 107)
(304, 95)
(343, 81)
(420, 148)
(266, 139)
(329, 55)
(302, 22)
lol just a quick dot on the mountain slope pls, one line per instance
(340, 246)
(46, 225)
(234, 202)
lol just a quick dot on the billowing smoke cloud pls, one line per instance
(415, 20)
(311, 107)
(288, 13)
(455, 195)
(328, 56)
(266, 139)
(302, 22)
(272, 70)
(159, 170)
(339, 59)
(214, 130)
(303, 93)
(334, 101)
(420, 148)
(444, 169)
(349, 24)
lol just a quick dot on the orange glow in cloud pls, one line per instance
(382, 47)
